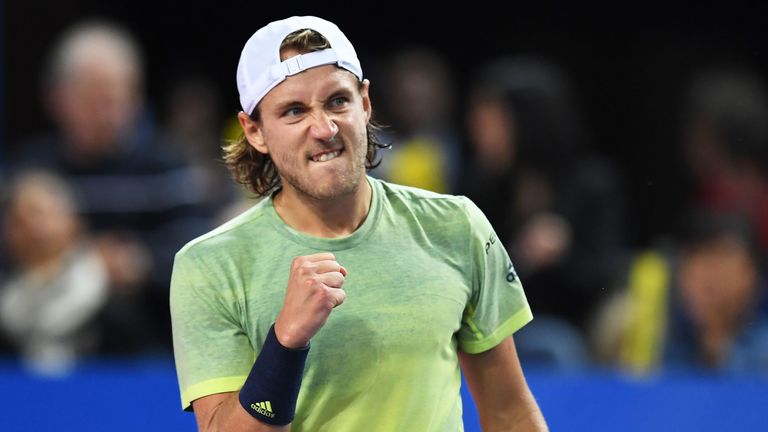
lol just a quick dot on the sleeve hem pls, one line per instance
(213, 386)
(513, 324)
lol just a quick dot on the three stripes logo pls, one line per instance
(263, 408)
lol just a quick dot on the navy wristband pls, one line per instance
(271, 389)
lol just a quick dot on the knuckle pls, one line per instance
(327, 296)
(297, 262)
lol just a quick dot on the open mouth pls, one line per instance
(327, 155)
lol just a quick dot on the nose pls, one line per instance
(323, 127)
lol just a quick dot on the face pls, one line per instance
(313, 126)
(40, 223)
(97, 105)
(492, 131)
(717, 281)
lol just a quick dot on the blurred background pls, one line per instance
(621, 153)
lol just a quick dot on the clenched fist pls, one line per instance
(314, 289)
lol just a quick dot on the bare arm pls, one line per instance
(503, 399)
(223, 412)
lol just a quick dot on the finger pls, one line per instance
(309, 262)
(327, 266)
(323, 256)
(337, 296)
(331, 279)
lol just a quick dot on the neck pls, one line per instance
(46, 267)
(328, 218)
(714, 347)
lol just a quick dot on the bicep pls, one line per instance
(496, 372)
(500, 392)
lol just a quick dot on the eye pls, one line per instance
(339, 101)
(293, 112)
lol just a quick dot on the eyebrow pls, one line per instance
(340, 90)
(287, 105)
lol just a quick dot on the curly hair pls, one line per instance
(257, 171)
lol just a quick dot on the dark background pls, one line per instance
(628, 63)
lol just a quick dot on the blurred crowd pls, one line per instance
(94, 210)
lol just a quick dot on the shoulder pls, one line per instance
(228, 237)
(150, 154)
(423, 202)
(40, 151)
(452, 217)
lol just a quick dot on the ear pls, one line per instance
(253, 132)
(366, 99)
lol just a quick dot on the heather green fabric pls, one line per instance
(426, 276)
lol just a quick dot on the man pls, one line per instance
(140, 201)
(393, 286)
(58, 282)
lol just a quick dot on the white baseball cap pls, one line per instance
(260, 68)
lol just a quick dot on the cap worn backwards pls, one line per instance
(260, 68)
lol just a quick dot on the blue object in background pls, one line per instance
(99, 396)
(679, 401)
(131, 396)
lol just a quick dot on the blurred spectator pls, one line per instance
(558, 209)
(715, 321)
(693, 304)
(58, 282)
(725, 135)
(141, 202)
(418, 104)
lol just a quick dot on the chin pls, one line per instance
(336, 189)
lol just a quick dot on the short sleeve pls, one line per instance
(212, 351)
(497, 306)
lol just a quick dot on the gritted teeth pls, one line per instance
(322, 157)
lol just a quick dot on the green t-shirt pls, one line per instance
(426, 276)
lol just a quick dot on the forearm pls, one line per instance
(267, 399)
(519, 414)
(533, 421)
(224, 413)
(523, 416)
